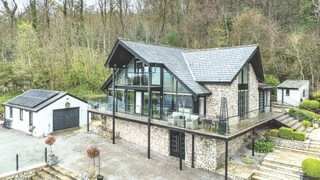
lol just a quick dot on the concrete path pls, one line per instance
(123, 160)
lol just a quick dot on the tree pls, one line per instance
(33, 8)
(10, 12)
(306, 124)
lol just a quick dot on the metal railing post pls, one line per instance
(297, 114)
(45, 155)
(17, 162)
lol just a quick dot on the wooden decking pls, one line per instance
(245, 125)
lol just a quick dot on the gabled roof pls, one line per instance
(43, 97)
(191, 68)
(292, 84)
(220, 64)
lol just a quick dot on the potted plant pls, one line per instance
(52, 159)
(245, 139)
(92, 152)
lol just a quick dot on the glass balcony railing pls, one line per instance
(223, 126)
(133, 80)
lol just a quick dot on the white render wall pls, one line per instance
(42, 120)
(45, 124)
(295, 95)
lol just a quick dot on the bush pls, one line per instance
(261, 146)
(316, 94)
(248, 160)
(313, 104)
(299, 136)
(285, 133)
(274, 132)
(302, 114)
(267, 136)
(306, 124)
(311, 167)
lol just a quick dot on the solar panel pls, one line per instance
(33, 98)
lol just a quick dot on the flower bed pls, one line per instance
(302, 145)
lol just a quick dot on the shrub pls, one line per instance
(285, 133)
(274, 132)
(248, 160)
(302, 114)
(311, 167)
(262, 146)
(299, 136)
(306, 124)
(314, 104)
(267, 136)
(305, 103)
(316, 94)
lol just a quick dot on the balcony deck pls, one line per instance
(235, 130)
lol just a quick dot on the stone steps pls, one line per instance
(37, 177)
(280, 174)
(56, 172)
(266, 176)
(309, 153)
(46, 176)
(285, 168)
(66, 172)
(314, 147)
(296, 125)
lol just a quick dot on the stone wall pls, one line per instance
(138, 134)
(209, 154)
(24, 173)
(293, 144)
(253, 97)
(214, 100)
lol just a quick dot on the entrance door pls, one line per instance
(175, 144)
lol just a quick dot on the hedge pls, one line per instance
(302, 114)
(313, 104)
(311, 167)
(299, 136)
(285, 133)
(274, 132)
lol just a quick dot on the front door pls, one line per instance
(175, 144)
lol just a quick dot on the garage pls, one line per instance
(65, 118)
(40, 112)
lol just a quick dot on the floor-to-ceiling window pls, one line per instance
(243, 91)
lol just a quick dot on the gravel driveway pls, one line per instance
(124, 160)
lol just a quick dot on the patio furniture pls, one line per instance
(173, 118)
(207, 123)
(192, 122)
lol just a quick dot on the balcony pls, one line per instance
(199, 123)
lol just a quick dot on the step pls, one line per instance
(312, 142)
(301, 129)
(281, 118)
(280, 174)
(293, 170)
(292, 123)
(309, 153)
(36, 177)
(46, 176)
(267, 175)
(277, 164)
(65, 171)
(55, 173)
(256, 177)
(296, 126)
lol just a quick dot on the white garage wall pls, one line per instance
(22, 125)
(306, 88)
(293, 99)
(45, 124)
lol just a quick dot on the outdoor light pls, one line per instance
(115, 65)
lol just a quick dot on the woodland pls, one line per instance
(63, 44)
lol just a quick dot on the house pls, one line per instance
(196, 105)
(292, 92)
(42, 112)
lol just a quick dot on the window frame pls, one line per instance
(11, 112)
(30, 118)
(21, 114)
(304, 93)
(287, 92)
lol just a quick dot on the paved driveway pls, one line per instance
(124, 160)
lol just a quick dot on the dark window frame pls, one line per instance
(304, 93)
(11, 112)
(30, 118)
(21, 114)
(287, 92)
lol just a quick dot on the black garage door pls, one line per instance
(65, 118)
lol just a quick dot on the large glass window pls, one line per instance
(243, 102)
(182, 89)
(145, 105)
(201, 105)
(185, 104)
(243, 75)
(120, 100)
(169, 83)
(156, 76)
(130, 101)
(169, 101)
(156, 104)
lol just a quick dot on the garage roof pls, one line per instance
(35, 99)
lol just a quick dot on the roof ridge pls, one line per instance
(124, 39)
(229, 47)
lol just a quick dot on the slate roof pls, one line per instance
(292, 84)
(46, 102)
(219, 65)
(263, 86)
(171, 57)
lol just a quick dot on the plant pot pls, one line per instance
(52, 160)
(100, 177)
